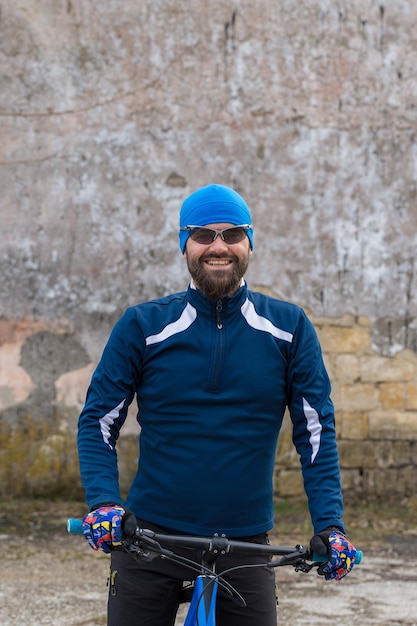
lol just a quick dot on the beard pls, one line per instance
(217, 284)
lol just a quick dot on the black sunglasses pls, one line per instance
(205, 235)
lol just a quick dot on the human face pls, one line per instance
(217, 268)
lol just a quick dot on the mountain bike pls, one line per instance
(202, 592)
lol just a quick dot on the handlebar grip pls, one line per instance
(324, 559)
(75, 526)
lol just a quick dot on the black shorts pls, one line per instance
(149, 594)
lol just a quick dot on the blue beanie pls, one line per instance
(214, 204)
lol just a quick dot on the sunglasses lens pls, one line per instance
(234, 235)
(205, 236)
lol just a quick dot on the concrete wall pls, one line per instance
(110, 117)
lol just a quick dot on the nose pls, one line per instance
(218, 244)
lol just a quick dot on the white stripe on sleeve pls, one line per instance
(314, 427)
(107, 422)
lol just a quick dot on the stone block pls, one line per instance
(391, 454)
(357, 454)
(287, 457)
(344, 339)
(402, 452)
(411, 396)
(330, 364)
(363, 320)
(346, 321)
(289, 483)
(393, 425)
(391, 482)
(352, 425)
(375, 368)
(352, 480)
(359, 397)
(392, 395)
(346, 368)
(337, 396)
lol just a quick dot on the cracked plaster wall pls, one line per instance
(110, 117)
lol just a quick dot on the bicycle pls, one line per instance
(202, 593)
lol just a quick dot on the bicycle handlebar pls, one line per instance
(75, 526)
(219, 544)
(190, 541)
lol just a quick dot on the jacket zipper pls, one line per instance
(218, 352)
(219, 309)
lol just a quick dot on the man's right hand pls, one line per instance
(102, 527)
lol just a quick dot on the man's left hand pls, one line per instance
(340, 551)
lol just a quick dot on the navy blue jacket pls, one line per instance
(212, 380)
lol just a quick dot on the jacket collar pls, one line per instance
(229, 304)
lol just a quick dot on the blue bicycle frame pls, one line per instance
(202, 609)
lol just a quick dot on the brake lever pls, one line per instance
(297, 559)
(143, 545)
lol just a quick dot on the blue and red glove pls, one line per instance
(102, 527)
(339, 550)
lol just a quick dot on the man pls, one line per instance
(213, 369)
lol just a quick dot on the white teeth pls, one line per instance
(218, 262)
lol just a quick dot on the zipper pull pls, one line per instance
(219, 309)
(111, 581)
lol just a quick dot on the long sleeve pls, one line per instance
(314, 434)
(112, 389)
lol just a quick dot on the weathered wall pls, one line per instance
(110, 117)
(377, 417)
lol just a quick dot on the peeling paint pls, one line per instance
(110, 118)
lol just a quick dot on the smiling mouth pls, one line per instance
(218, 262)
